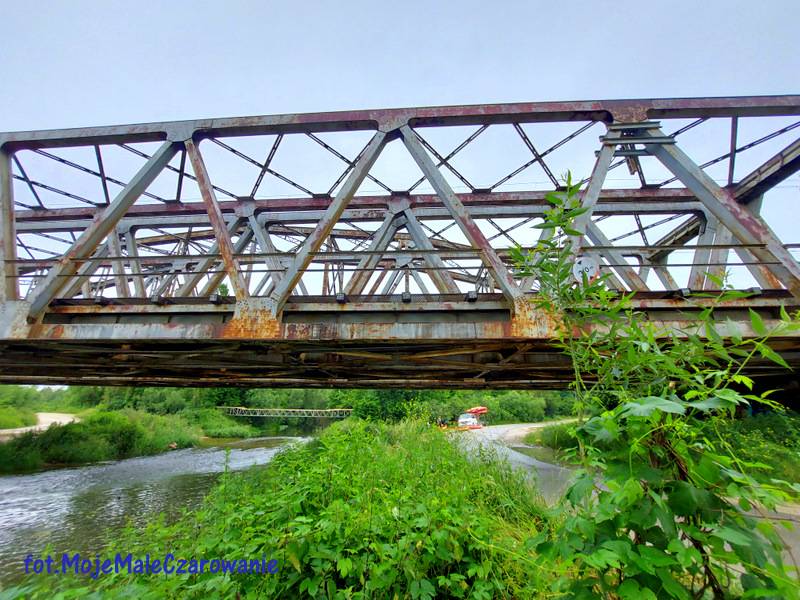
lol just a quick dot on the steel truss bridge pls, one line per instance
(282, 413)
(371, 248)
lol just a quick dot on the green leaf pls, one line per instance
(686, 499)
(344, 566)
(644, 407)
(744, 380)
(602, 558)
(671, 586)
(757, 323)
(602, 429)
(708, 404)
(581, 487)
(630, 590)
(770, 354)
(784, 315)
(733, 536)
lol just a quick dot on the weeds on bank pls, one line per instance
(662, 508)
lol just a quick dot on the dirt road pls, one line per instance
(44, 420)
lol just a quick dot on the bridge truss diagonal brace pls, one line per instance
(469, 228)
(438, 270)
(245, 237)
(747, 227)
(761, 273)
(781, 166)
(59, 274)
(627, 273)
(192, 279)
(592, 192)
(380, 241)
(84, 273)
(226, 248)
(314, 241)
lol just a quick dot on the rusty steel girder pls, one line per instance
(372, 247)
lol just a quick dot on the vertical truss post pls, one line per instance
(719, 255)
(317, 237)
(264, 242)
(59, 274)
(133, 264)
(702, 255)
(8, 236)
(744, 225)
(120, 279)
(226, 248)
(469, 228)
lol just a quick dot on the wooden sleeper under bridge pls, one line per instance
(371, 248)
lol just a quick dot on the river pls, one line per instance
(75, 509)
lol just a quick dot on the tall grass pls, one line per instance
(557, 437)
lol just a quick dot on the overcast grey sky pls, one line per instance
(83, 63)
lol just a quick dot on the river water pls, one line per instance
(74, 510)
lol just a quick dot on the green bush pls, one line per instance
(12, 417)
(218, 425)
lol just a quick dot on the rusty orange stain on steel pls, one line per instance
(531, 322)
(251, 323)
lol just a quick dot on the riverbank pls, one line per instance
(98, 437)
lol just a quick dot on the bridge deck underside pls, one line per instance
(319, 344)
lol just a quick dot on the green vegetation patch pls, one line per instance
(12, 417)
(368, 510)
(100, 436)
